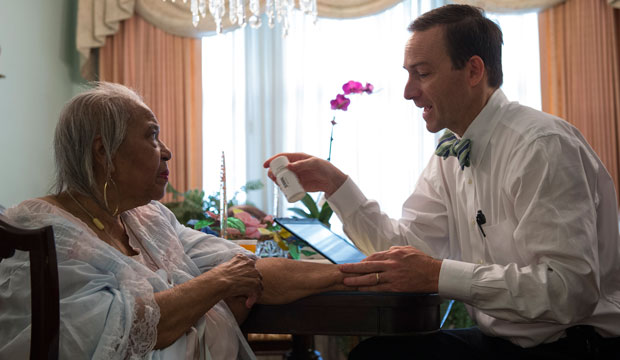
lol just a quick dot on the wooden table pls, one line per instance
(346, 313)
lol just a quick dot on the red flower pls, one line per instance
(212, 215)
(341, 102)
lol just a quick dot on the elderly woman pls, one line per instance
(134, 282)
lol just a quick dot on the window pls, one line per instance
(265, 94)
(224, 89)
(521, 73)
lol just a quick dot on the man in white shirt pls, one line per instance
(521, 224)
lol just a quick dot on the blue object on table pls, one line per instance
(208, 230)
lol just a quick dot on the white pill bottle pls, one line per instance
(287, 180)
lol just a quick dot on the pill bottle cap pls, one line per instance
(278, 164)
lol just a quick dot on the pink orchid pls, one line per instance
(352, 87)
(341, 102)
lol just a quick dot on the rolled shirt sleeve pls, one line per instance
(372, 230)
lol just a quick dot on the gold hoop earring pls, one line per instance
(105, 196)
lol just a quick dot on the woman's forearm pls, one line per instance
(283, 281)
(181, 306)
(286, 280)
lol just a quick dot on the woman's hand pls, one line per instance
(240, 277)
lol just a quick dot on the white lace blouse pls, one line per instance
(107, 307)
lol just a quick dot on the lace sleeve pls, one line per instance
(107, 303)
(130, 327)
(143, 332)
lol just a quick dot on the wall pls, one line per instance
(39, 60)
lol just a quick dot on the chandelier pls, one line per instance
(276, 10)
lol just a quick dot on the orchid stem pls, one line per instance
(331, 139)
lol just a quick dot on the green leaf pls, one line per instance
(458, 317)
(195, 197)
(192, 204)
(274, 227)
(236, 224)
(173, 205)
(308, 252)
(175, 192)
(326, 214)
(294, 251)
(311, 205)
(203, 223)
(252, 185)
(300, 212)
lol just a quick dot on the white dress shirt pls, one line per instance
(551, 255)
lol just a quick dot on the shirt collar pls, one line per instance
(480, 130)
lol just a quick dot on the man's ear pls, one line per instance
(476, 68)
(99, 157)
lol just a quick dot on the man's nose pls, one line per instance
(412, 90)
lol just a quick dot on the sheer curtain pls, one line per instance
(224, 89)
(381, 141)
(521, 72)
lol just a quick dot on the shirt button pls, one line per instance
(469, 181)
(473, 222)
(480, 262)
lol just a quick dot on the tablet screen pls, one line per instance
(319, 237)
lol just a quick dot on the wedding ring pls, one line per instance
(377, 274)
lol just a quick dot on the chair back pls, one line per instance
(43, 283)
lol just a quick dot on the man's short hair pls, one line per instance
(468, 32)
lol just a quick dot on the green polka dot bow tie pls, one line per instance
(450, 145)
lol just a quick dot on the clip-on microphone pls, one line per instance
(481, 220)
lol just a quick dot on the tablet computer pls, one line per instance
(324, 241)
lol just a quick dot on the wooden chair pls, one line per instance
(43, 283)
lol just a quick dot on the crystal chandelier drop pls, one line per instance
(276, 10)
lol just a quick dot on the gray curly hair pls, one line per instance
(103, 110)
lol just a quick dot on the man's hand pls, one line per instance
(314, 174)
(399, 269)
